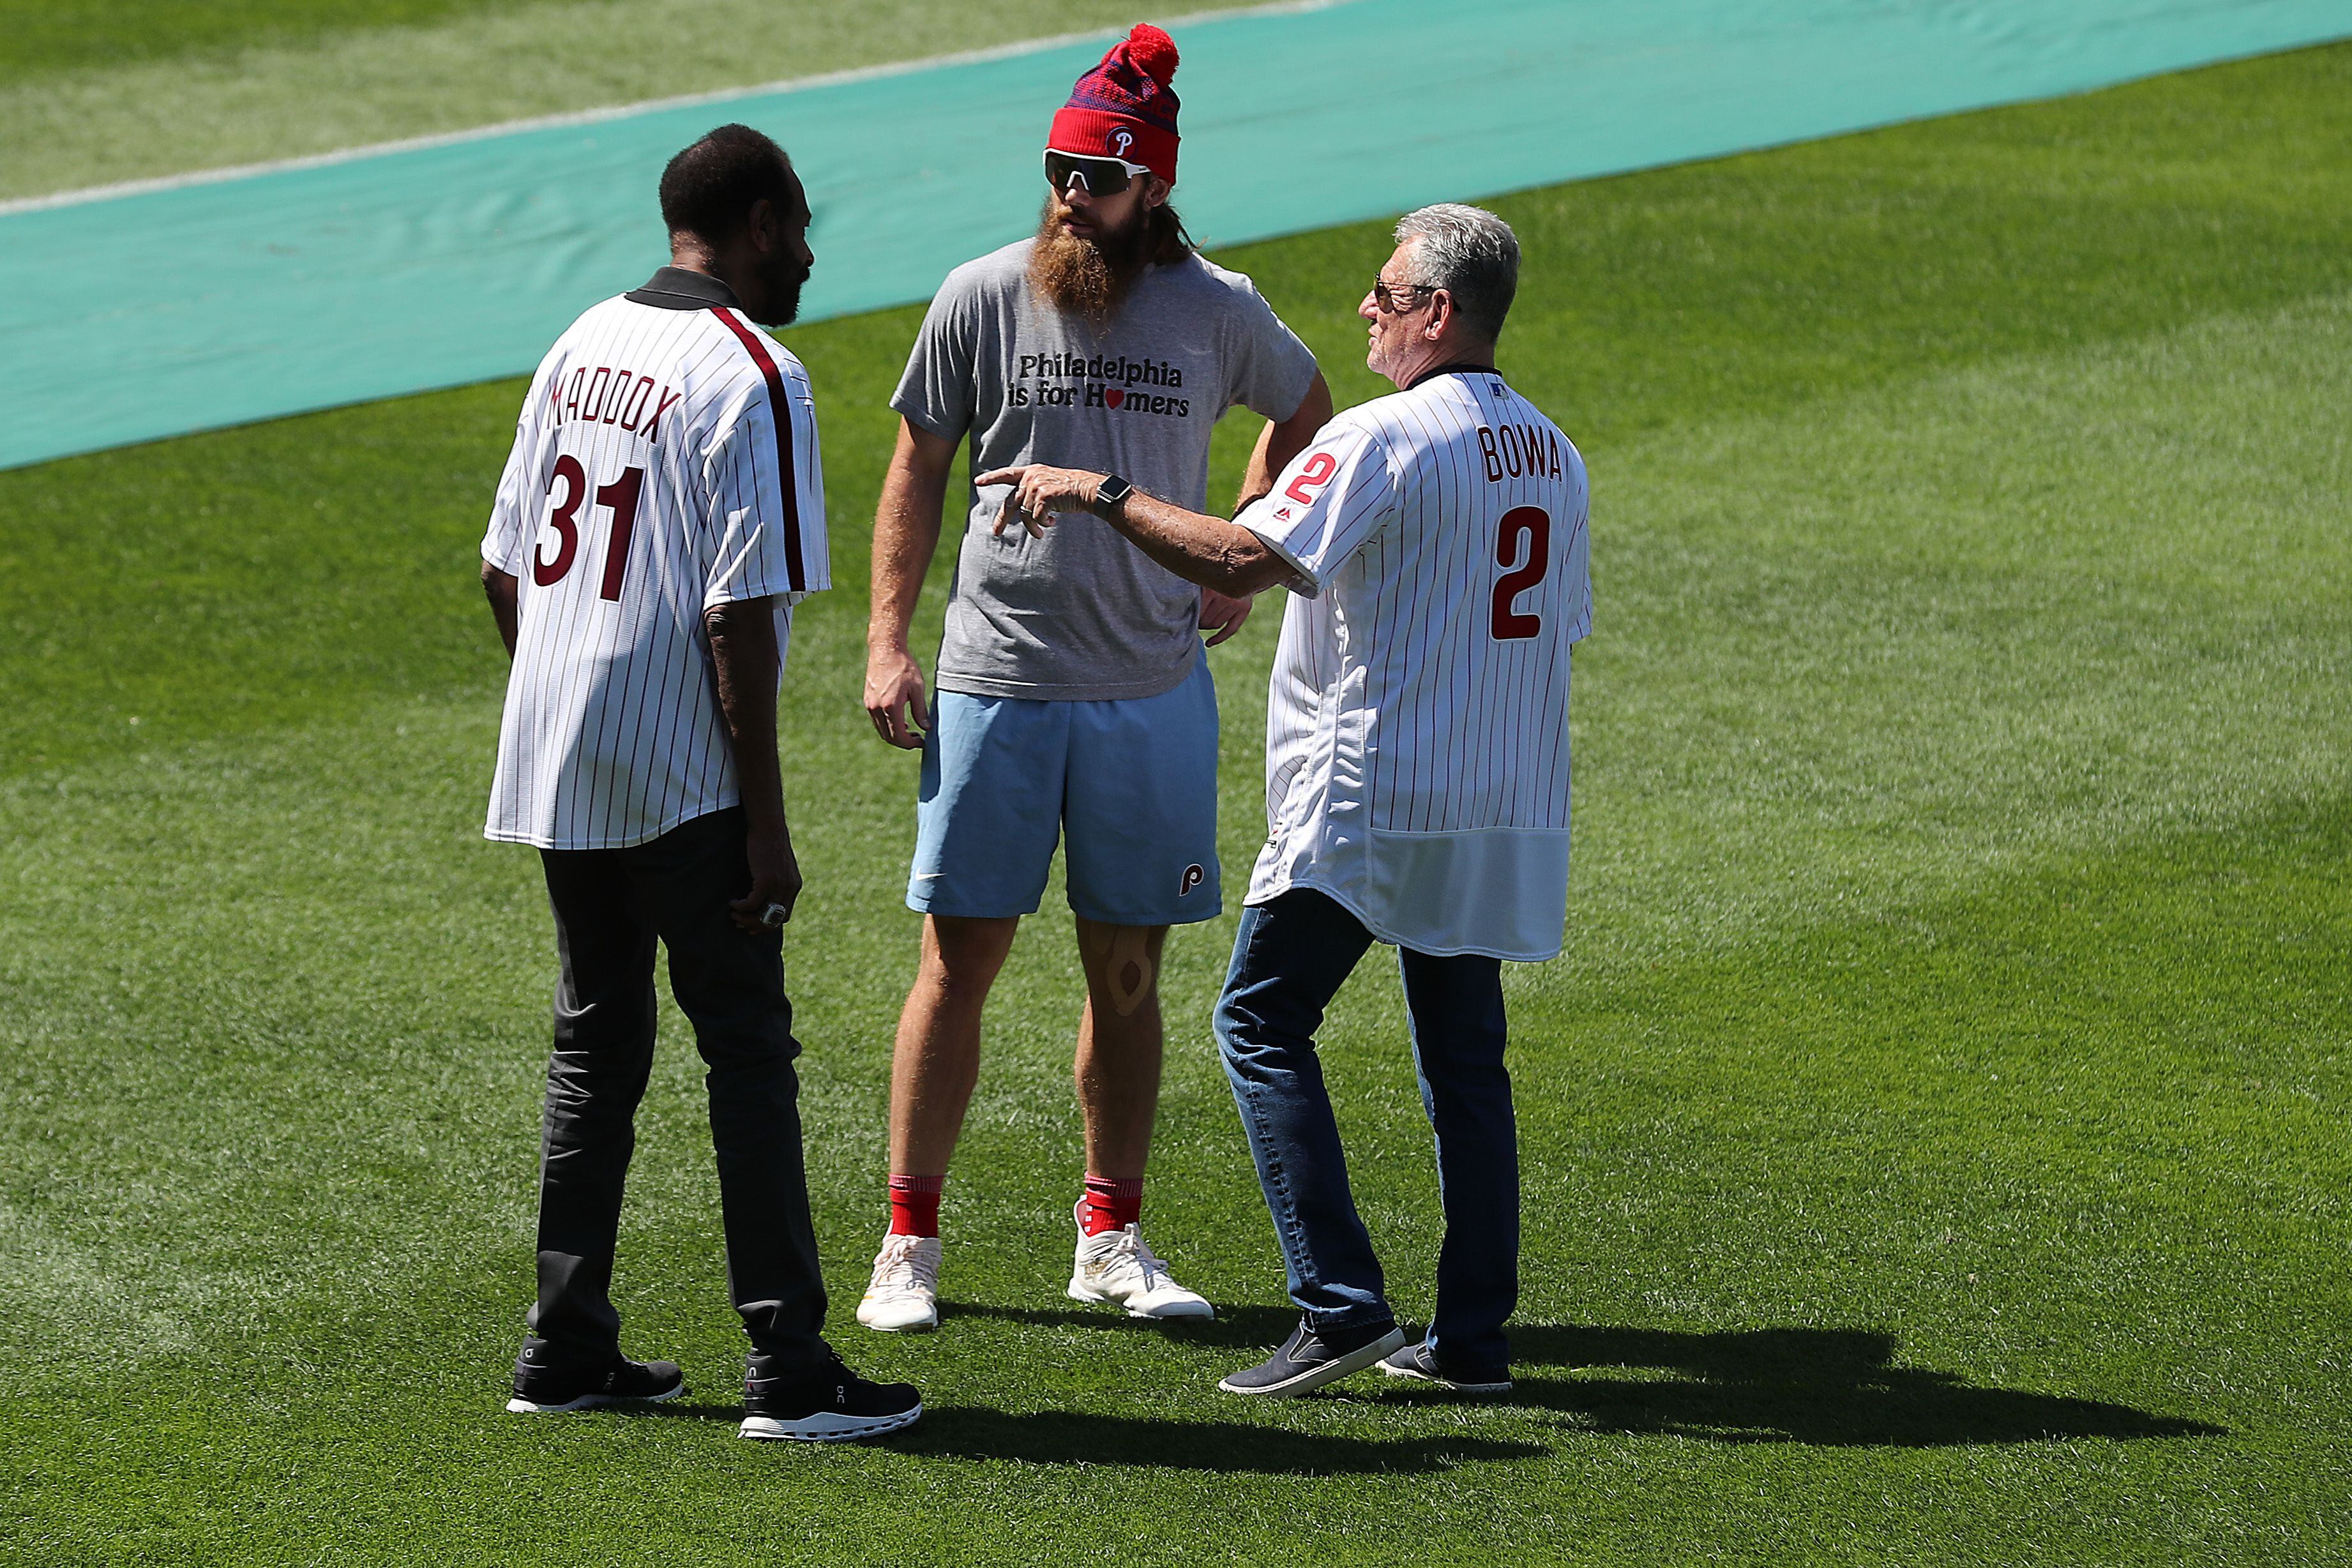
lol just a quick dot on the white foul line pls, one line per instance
(623, 110)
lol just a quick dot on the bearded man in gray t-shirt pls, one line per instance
(1073, 701)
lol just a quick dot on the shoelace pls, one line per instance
(903, 1266)
(1131, 1242)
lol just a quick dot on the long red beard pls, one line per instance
(1088, 277)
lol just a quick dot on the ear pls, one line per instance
(1441, 315)
(1156, 192)
(764, 224)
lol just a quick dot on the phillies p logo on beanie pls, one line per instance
(1124, 107)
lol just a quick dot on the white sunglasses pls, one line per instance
(1095, 175)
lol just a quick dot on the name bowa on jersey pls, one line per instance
(1098, 381)
(1515, 449)
(604, 396)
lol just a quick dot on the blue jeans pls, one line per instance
(1290, 958)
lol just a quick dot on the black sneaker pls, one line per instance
(546, 1391)
(1420, 1361)
(826, 1403)
(1309, 1360)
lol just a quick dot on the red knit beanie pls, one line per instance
(1124, 107)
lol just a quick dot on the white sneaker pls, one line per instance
(1117, 1269)
(904, 1295)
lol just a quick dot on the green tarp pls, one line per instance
(140, 316)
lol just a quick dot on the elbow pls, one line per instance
(1253, 569)
(1257, 578)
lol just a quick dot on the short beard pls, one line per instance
(783, 276)
(1088, 276)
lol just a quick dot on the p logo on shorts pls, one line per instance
(1194, 875)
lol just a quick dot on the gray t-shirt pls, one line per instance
(1081, 615)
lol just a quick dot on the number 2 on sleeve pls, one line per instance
(1312, 477)
(1507, 623)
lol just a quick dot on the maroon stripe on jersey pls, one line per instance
(786, 479)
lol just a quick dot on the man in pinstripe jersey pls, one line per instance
(661, 514)
(1416, 781)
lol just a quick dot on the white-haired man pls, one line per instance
(1417, 780)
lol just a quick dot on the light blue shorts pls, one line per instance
(1131, 784)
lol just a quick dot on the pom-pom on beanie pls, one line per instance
(1124, 107)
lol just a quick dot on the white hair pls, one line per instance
(1472, 255)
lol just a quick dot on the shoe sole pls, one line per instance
(919, 1326)
(519, 1405)
(826, 1426)
(1198, 1310)
(1331, 1371)
(1446, 1384)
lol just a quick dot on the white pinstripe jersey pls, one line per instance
(1416, 752)
(665, 462)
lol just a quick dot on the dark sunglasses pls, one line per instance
(1095, 176)
(1396, 298)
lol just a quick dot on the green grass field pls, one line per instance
(1936, 1133)
(93, 91)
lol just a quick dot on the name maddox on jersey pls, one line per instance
(1098, 381)
(604, 396)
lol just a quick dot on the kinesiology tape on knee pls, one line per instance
(1130, 971)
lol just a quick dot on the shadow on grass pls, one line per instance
(1070, 1437)
(1833, 1388)
(1234, 1328)
(1074, 1437)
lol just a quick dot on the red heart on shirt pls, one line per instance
(1114, 396)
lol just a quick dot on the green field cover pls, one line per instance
(221, 301)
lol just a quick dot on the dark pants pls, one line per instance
(610, 906)
(1289, 960)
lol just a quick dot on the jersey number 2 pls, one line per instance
(620, 497)
(1312, 477)
(1507, 624)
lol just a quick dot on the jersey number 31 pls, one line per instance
(1508, 624)
(620, 497)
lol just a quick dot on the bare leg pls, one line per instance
(937, 1056)
(1119, 1040)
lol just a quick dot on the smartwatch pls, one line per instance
(1110, 495)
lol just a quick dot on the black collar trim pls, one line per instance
(1464, 369)
(675, 288)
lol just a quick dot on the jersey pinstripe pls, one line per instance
(1417, 755)
(665, 462)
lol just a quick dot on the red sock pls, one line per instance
(1110, 1204)
(914, 1205)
